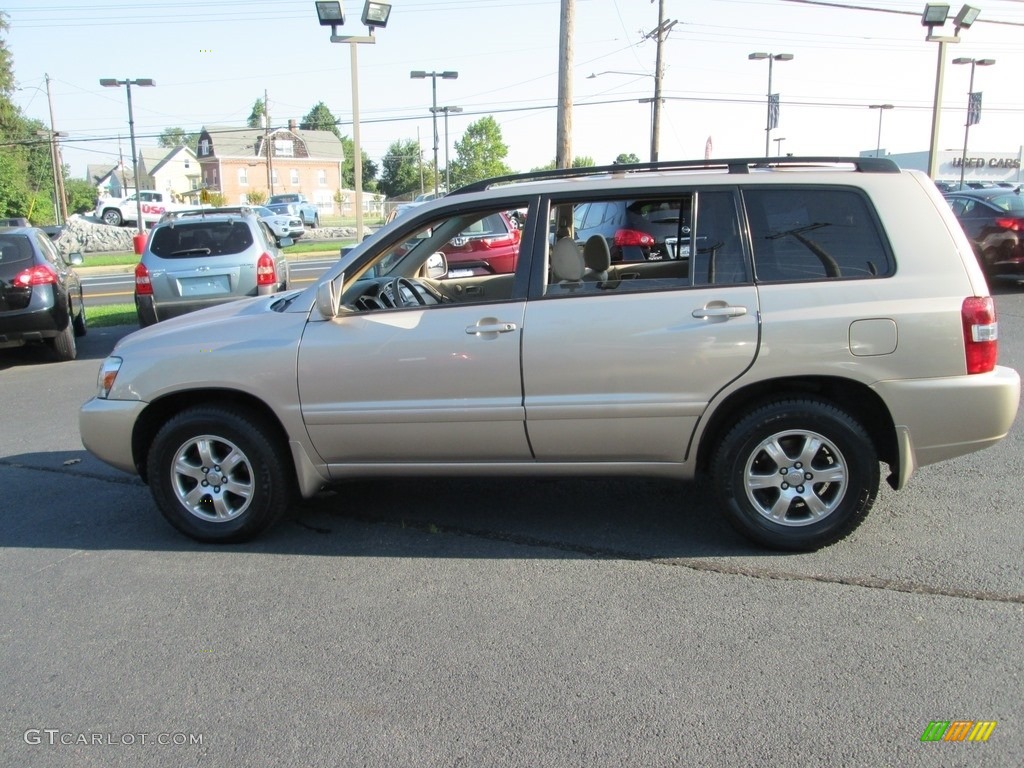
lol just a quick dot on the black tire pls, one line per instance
(252, 494)
(63, 346)
(316, 221)
(112, 216)
(80, 323)
(835, 463)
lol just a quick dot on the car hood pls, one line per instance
(221, 322)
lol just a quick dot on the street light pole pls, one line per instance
(447, 164)
(772, 57)
(881, 111)
(935, 16)
(778, 145)
(420, 74)
(654, 102)
(375, 15)
(970, 112)
(127, 83)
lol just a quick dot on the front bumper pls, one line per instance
(106, 427)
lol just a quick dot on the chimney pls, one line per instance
(292, 125)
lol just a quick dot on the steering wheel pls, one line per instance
(393, 290)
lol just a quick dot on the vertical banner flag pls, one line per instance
(773, 111)
(707, 149)
(974, 108)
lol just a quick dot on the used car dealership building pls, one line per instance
(979, 166)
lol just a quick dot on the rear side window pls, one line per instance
(814, 234)
(201, 238)
(14, 249)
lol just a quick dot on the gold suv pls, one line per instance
(823, 312)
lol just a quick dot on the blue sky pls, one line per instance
(211, 59)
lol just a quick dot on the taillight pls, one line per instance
(981, 333)
(625, 237)
(41, 275)
(496, 242)
(1014, 225)
(143, 286)
(265, 273)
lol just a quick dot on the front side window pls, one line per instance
(814, 233)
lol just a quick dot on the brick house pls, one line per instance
(236, 161)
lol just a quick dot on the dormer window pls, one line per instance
(204, 147)
(284, 147)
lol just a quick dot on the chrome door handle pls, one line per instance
(705, 312)
(498, 327)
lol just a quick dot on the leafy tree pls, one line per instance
(177, 137)
(259, 109)
(401, 168)
(577, 162)
(256, 197)
(479, 154)
(348, 168)
(626, 158)
(81, 195)
(319, 118)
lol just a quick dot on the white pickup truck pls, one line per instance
(116, 211)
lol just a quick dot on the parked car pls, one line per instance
(201, 258)
(488, 246)
(828, 310)
(994, 222)
(296, 205)
(281, 224)
(40, 293)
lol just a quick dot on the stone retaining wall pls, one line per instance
(85, 234)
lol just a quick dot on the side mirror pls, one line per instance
(328, 297)
(436, 266)
(75, 258)
(284, 242)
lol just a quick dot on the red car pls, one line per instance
(489, 246)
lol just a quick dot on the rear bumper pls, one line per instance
(44, 318)
(940, 419)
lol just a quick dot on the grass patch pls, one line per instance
(316, 246)
(109, 315)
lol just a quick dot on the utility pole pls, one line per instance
(658, 34)
(58, 163)
(563, 140)
(266, 140)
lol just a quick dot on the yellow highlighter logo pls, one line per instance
(958, 730)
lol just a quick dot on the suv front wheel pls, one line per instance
(796, 474)
(217, 474)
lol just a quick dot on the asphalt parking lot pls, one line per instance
(497, 622)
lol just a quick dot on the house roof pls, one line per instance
(229, 141)
(97, 174)
(153, 158)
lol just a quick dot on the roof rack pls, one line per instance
(737, 165)
(240, 210)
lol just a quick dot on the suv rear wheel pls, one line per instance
(796, 474)
(217, 475)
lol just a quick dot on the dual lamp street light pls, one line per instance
(973, 107)
(332, 14)
(881, 111)
(771, 57)
(144, 82)
(420, 74)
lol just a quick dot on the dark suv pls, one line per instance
(652, 229)
(40, 293)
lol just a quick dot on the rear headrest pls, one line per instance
(596, 255)
(566, 260)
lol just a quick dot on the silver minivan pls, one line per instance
(197, 259)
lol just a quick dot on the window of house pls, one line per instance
(204, 147)
(243, 177)
(812, 233)
(321, 178)
(273, 176)
(295, 177)
(284, 148)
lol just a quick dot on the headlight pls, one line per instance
(108, 372)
